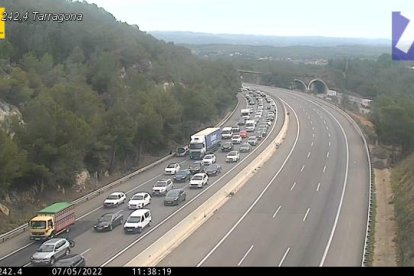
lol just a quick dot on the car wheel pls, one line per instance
(121, 221)
(67, 252)
(52, 261)
(140, 230)
(110, 227)
(184, 198)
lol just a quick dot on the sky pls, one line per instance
(330, 18)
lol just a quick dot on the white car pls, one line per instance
(115, 199)
(139, 200)
(137, 221)
(233, 156)
(236, 139)
(162, 186)
(209, 159)
(172, 168)
(199, 180)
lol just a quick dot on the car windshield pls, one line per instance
(112, 197)
(181, 173)
(196, 146)
(46, 248)
(212, 167)
(173, 193)
(195, 165)
(66, 262)
(197, 177)
(208, 157)
(106, 218)
(38, 224)
(244, 146)
(180, 150)
(171, 166)
(236, 137)
(134, 219)
(160, 184)
(137, 197)
(226, 144)
(232, 153)
(252, 138)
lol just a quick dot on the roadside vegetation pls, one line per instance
(97, 95)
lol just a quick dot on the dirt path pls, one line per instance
(385, 227)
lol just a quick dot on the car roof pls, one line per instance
(233, 151)
(199, 174)
(117, 193)
(163, 180)
(140, 193)
(53, 241)
(139, 212)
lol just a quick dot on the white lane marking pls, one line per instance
(284, 257)
(311, 122)
(343, 186)
(261, 194)
(308, 117)
(312, 144)
(329, 135)
(15, 251)
(308, 155)
(245, 255)
(86, 251)
(313, 135)
(327, 128)
(153, 228)
(324, 122)
(26, 265)
(313, 128)
(329, 144)
(293, 186)
(303, 167)
(327, 154)
(277, 211)
(319, 185)
(306, 215)
(324, 169)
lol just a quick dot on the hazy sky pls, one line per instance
(346, 18)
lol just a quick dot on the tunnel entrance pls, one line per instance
(318, 86)
(299, 85)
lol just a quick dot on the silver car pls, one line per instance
(50, 251)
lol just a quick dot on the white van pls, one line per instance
(250, 125)
(245, 113)
(226, 132)
(137, 221)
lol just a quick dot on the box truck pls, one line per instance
(205, 141)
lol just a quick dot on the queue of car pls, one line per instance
(250, 128)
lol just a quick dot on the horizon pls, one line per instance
(368, 19)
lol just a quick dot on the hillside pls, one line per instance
(403, 186)
(96, 94)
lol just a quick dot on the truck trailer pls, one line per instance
(52, 220)
(205, 141)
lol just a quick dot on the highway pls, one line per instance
(307, 206)
(116, 248)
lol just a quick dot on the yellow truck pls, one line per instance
(52, 221)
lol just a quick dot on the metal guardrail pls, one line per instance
(24, 227)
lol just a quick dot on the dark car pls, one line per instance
(241, 122)
(71, 260)
(213, 169)
(108, 221)
(227, 146)
(182, 176)
(196, 167)
(174, 197)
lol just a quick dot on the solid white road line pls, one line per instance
(15, 251)
(306, 215)
(261, 194)
(277, 211)
(319, 185)
(303, 167)
(86, 251)
(284, 257)
(293, 186)
(245, 255)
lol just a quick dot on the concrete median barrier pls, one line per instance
(152, 255)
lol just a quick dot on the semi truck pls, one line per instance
(205, 141)
(52, 221)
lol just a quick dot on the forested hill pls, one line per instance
(97, 94)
